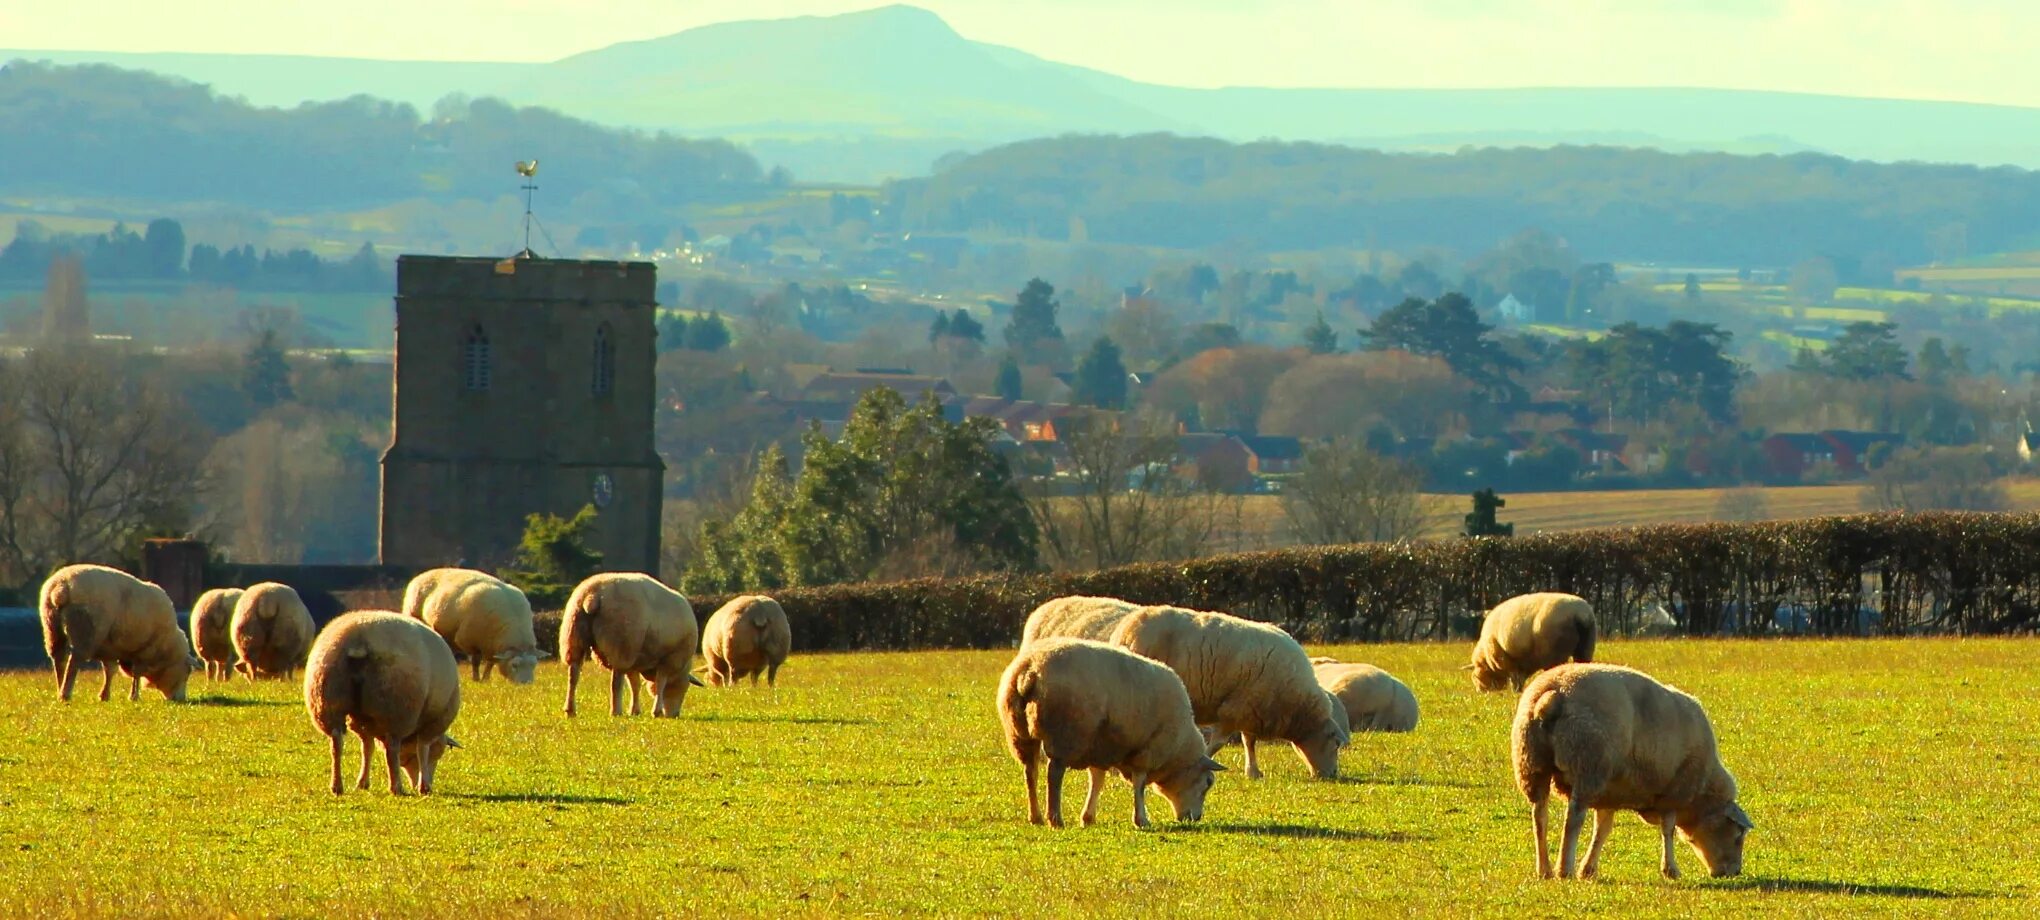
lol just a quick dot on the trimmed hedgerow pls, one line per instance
(1889, 574)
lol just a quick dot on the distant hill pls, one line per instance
(1619, 204)
(884, 92)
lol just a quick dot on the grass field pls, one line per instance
(1262, 524)
(1885, 778)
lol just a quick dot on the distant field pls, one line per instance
(1885, 777)
(365, 320)
(1533, 512)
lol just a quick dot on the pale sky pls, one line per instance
(1972, 50)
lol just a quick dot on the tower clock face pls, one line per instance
(604, 490)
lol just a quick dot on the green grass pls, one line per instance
(1885, 777)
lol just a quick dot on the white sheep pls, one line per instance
(1373, 699)
(1613, 739)
(1076, 617)
(1528, 633)
(94, 613)
(212, 631)
(483, 617)
(272, 630)
(635, 627)
(1243, 677)
(746, 637)
(389, 679)
(1094, 706)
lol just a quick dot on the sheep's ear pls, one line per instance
(1740, 817)
(695, 680)
(506, 654)
(1466, 667)
(1213, 765)
(450, 743)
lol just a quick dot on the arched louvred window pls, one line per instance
(605, 362)
(475, 359)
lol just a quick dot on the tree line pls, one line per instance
(159, 253)
(1630, 205)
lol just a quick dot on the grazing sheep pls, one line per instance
(212, 631)
(272, 630)
(636, 627)
(1076, 617)
(1373, 699)
(1243, 677)
(389, 679)
(94, 613)
(481, 616)
(1613, 739)
(1094, 706)
(1526, 634)
(747, 636)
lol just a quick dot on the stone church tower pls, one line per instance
(523, 385)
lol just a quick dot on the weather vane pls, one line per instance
(529, 170)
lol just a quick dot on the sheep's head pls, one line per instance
(520, 665)
(1717, 835)
(1319, 747)
(174, 676)
(1186, 786)
(1489, 680)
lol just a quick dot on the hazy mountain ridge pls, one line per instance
(896, 83)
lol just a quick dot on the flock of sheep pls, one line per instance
(1099, 684)
(391, 678)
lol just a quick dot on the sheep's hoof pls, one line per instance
(339, 789)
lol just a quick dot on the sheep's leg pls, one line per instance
(475, 668)
(488, 667)
(1031, 767)
(1670, 863)
(426, 769)
(772, 675)
(416, 771)
(635, 684)
(573, 683)
(367, 761)
(1575, 819)
(60, 662)
(1253, 756)
(660, 708)
(393, 756)
(135, 687)
(106, 685)
(1055, 780)
(70, 678)
(754, 678)
(337, 738)
(1539, 825)
(1604, 824)
(1140, 784)
(1091, 796)
(616, 695)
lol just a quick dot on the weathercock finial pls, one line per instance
(527, 168)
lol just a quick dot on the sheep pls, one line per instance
(95, 613)
(1076, 617)
(744, 637)
(272, 630)
(480, 616)
(1094, 706)
(392, 680)
(635, 627)
(1243, 677)
(1374, 701)
(1614, 739)
(212, 637)
(1526, 634)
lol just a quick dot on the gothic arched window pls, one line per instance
(475, 359)
(605, 362)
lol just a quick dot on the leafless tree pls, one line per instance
(1122, 499)
(89, 455)
(1346, 493)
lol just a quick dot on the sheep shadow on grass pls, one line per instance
(781, 720)
(237, 702)
(1293, 831)
(1824, 886)
(539, 798)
